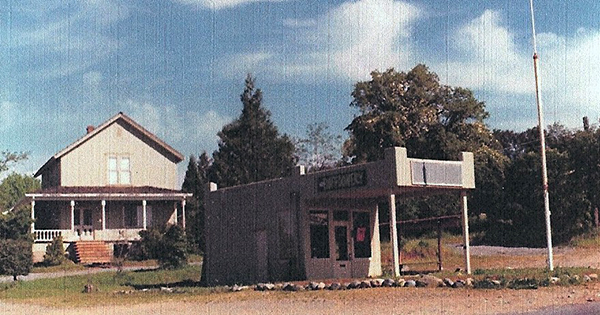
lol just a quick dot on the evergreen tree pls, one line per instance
(251, 148)
(195, 182)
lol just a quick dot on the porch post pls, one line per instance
(175, 212)
(465, 226)
(394, 235)
(32, 215)
(183, 214)
(73, 215)
(103, 203)
(144, 214)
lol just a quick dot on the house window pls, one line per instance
(113, 174)
(119, 171)
(124, 172)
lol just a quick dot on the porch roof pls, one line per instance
(108, 193)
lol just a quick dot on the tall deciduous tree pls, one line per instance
(415, 111)
(432, 121)
(251, 148)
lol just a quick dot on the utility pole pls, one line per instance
(538, 99)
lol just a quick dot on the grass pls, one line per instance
(587, 241)
(109, 287)
(133, 287)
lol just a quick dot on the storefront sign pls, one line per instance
(342, 181)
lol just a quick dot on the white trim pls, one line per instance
(144, 215)
(72, 215)
(103, 203)
(32, 215)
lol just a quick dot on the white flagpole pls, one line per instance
(538, 99)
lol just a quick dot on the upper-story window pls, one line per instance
(119, 171)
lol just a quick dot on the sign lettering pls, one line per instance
(342, 181)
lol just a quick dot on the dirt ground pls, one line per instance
(370, 301)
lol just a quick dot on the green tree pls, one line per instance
(521, 222)
(250, 148)
(195, 182)
(320, 149)
(431, 120)
(16, 241)
(415, 111)
(16, 257)
(14, 187)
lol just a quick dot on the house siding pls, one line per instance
(87, 165)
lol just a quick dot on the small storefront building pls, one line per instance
(321, 225)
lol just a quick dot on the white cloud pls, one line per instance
(181, 129)
(221, 4)
(489, 58)
(347, 43)
(70, 38)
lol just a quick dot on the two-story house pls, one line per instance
(104, 188)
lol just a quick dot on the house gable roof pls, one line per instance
(132, 127)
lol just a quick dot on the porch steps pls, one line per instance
(92, 252)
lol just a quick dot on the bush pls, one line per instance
(150, 244)
(55, 252)
(168, 247)
(173, 248)
(16, 257)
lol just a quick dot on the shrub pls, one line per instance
(16, 257)
(173, 247)
(169, 247)
(55, 252)
(150, 244)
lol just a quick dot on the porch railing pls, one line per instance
(47, 235)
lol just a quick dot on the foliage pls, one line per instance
(320, 149)
(16, 224)
(415, 111)
(195, 182)
(168, 247)
(150, 241)
(55, 252)
(432, 121)
(524, 209)
(250, 148)
(14, 187)
(7, 158)
(173, 250)
(16, 257)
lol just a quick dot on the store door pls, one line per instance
(342, 266)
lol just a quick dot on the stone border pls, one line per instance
(417, 282)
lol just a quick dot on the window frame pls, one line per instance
(117, 174)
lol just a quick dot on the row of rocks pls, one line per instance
(423, 281)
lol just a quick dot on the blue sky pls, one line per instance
(177, 66)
